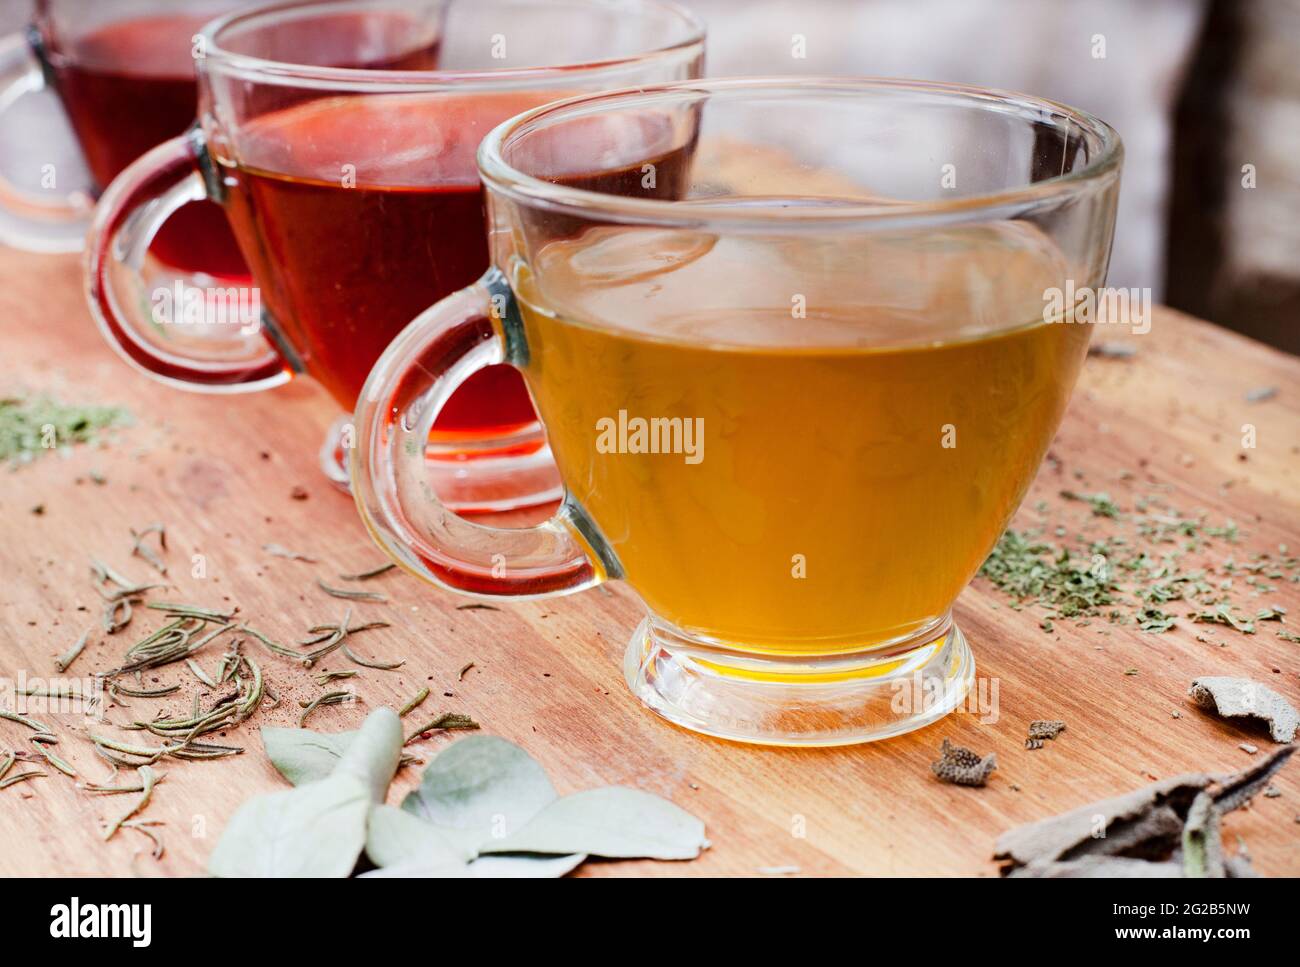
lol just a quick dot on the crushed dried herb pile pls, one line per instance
(1132, 567)
(31, 426)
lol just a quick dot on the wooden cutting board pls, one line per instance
(221, 473)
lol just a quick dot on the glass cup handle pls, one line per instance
(445, 345)
(27, 221)
(127, 218)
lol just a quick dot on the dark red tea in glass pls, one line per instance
(129, 83)
(414, 231)
(356, 202)
(124, 72)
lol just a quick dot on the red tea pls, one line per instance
(127, 87)
(130, 85)
(380, 215)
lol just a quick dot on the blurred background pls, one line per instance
(1206, 94)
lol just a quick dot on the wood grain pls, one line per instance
(220, 471)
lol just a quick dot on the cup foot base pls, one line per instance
(789, 701)
(466, 484)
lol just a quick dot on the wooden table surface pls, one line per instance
(221, 471)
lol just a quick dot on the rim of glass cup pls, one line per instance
(268, 71)
(506, 180)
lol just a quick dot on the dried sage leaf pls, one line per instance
(1150, 826)
(313, 830)
(1202, 840)
(318, 828)
(1240, 697)
(480, 789)
(616, 822)
(396, 837)
(302, 755)
(519, 866)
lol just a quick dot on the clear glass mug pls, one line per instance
(354, 196)
(794, 409)
(124, 72)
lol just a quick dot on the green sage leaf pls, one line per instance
(396, 837)
(480, 790)
(515, 866)
(615, 821)
(316, 829)
(373, 755)
(302, 755)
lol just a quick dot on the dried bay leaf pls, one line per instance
(480, 789)
(616, 822)
(316, 829)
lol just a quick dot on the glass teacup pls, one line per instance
(339, 140)
(794, 408)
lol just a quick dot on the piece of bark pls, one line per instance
(1240, 697)
(1146, 825)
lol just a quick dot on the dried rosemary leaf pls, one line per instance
(414, 703)
(141, 549)
(21, 777)
(329, 698)
(374, 572)
(148, 778)
(447, 721)
(387, 666)
(199, 673)
(276, 550)
(32, 724)
(351, 595)
(64, 661)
